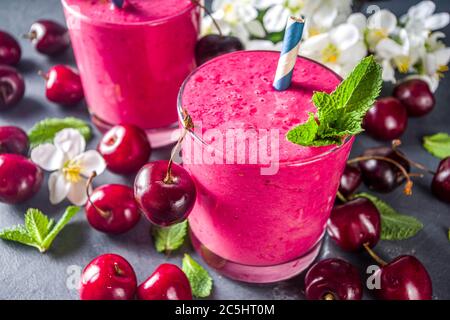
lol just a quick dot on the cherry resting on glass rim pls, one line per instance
(125, 148)
(20, 178)
(168, 282)
(355, 223)
(380, 175)
(112, 209)
(404, 278)
(164, 202)
(49, 37)
(386, 120)
(63, 85)
(13, 140)
(333, 279)
(350, 180)
(213, 45)
(10, 51)
(108, 277)
(12, 87)
(416, 96)
(441, 181)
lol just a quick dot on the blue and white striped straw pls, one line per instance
(289, 52)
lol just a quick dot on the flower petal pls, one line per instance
(256, 29)
(58, 187)
(48, 157)
(264, 4)
(358, 20)
(437, 21)
(422, 10)
(325, 15)
(353, 55)
(388, 48)
(70, 141)
(77, 193)
(275, 18)
(247, 13)
(344, 36)
(383, 20)
(90, 161)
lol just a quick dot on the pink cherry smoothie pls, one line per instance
(241, 215)
(133, 60)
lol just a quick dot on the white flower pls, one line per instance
(71, 165)
(264, 45)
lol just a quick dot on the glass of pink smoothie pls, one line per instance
(133, 60)
(256, 220)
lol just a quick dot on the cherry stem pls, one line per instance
(43, 74)
(374, 256)
(197, 2)
(117, 269)
(409, 184)
(397, 143)
(328, 296)
(341, 197)
(30, 35)
(104, 214)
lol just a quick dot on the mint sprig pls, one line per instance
(201, 282)
(44, 131)
(394, 226)
(38, 230)
(340, 113)
(167, 239)
(438, 145)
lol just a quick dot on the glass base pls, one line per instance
(159, 137)
(255, 274)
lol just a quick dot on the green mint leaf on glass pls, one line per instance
(438, 145)
(44, 131)
(38, 230)
(201, 282)
(341, 113)
(394, 226)
(171, 238)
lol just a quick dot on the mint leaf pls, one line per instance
(394, 226)
(341, 113)
(170, 238)
(438, 145)
(37, 224)
(201, 282)
(67, 216)
(18, 234)
(44, 131)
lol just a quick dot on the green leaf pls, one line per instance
(170, 238)
(341, 113)
(37, 224)
(438, 145)
(44, 131)
(67, 216)
(201, 282)
(19, 234)
(394, 226)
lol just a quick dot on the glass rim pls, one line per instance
(298, 162)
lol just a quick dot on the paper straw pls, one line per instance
(289, 52)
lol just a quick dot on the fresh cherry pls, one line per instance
(350, 180)
(380, 175)
(108, 277)
(125, 148)
(214, 45)
(416, 96)
(355, 223)
(386, 120)
(112, 209)
(168, 282)
(20, 178)
(63, 85)
(166, 196)
(49, 37)
(10, 51)
(12, 87)
(441, 181)
(333, 279)
(13, 140)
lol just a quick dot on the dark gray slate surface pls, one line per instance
(27, 274)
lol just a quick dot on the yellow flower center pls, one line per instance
(313, 31)
(72, 171)
(330, 54)
(403, 63)
(441, 70)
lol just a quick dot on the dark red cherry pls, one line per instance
(214, 45)
(49, 37)
(441, 181)
(20, 178)
(13, 140)
(112, 208)
(386, 120)
(10, 51)
(108, 277)
(404, 278)
(383, 176)
(165, 200)
(12, 87)
(333, 279)
(355, 223)
(416, 96)
(350, 180)
(63, 85)
(125, 148)
(168, 282)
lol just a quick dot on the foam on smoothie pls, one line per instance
(235, 91)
